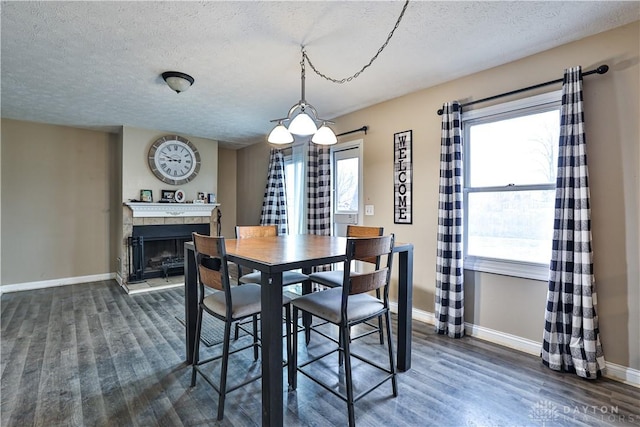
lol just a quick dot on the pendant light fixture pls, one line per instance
(303, 120)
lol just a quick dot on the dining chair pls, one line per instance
(288, 277)
(346, 306)
(248, 231)
(228, 304)
(334, 278)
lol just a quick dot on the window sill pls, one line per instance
(526, 270)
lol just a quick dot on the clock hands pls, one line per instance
(172, 159)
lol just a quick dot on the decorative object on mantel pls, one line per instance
(174, 160)
(177, 81)
(211, 198)
(402, 177)
(146, 196)
(302, 118)
(168, 196)
(179, 196)
(166, 210)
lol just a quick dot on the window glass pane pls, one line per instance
(347, 185)
(293, 206)
(511, 225)
(519, 150)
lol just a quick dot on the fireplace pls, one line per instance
(157, 250)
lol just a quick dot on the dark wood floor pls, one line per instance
(90, 355)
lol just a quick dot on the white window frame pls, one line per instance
(335, 150)
(530, 105)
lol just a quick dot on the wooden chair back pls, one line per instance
(369, 247)
(211, 265)
(247, 231)
(365, 231)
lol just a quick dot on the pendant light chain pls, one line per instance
(348, 79)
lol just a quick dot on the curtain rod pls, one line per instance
(600, 70)
(362, 129)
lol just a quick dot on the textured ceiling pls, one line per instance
(98, 64)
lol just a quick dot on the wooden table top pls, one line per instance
(290, 252)
(287, 252)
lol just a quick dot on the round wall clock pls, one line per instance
(174, 160)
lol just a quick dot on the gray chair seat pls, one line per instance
(331, 279)
(327, 305)
(245, 300)
(288, 278)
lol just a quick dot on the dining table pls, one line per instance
(272, 256)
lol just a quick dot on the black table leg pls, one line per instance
(306, 317)
(190, 299)
(405, 305)
(271, 331)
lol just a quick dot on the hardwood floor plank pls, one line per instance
(25, 404)
(90, 355)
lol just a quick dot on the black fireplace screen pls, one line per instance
(157, 250)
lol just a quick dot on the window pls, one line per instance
(295, 179)
(509, 192)
(346, 180)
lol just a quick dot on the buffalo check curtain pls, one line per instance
(319, 190)
(449, 268)
(274, 204)
(571, 340)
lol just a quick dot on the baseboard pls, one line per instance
(613, 371)
(29, 286)
(623, 374)
(504, 339)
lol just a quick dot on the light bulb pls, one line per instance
(302, 125)
(280, 135)
(324, 136)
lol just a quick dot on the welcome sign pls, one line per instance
(402, 171)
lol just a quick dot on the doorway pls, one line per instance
(347, 191)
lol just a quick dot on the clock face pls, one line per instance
(174, 160)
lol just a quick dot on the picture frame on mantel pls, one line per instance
(146, 196)
(402, 177)
(168, 196)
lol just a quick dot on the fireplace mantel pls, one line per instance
(170, 210)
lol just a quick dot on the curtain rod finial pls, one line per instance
(602, 69)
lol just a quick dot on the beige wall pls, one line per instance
(57, 202)
(136, 174)
(62, 192)
(505, 304)
(227, 194)
(253, 167)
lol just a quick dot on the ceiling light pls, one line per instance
(324, 136)
(280, 135)
(177, 81)
(303, 121)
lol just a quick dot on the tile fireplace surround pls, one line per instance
(161, 214)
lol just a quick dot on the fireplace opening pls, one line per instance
(158, 250)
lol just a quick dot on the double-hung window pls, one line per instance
(510, 161)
